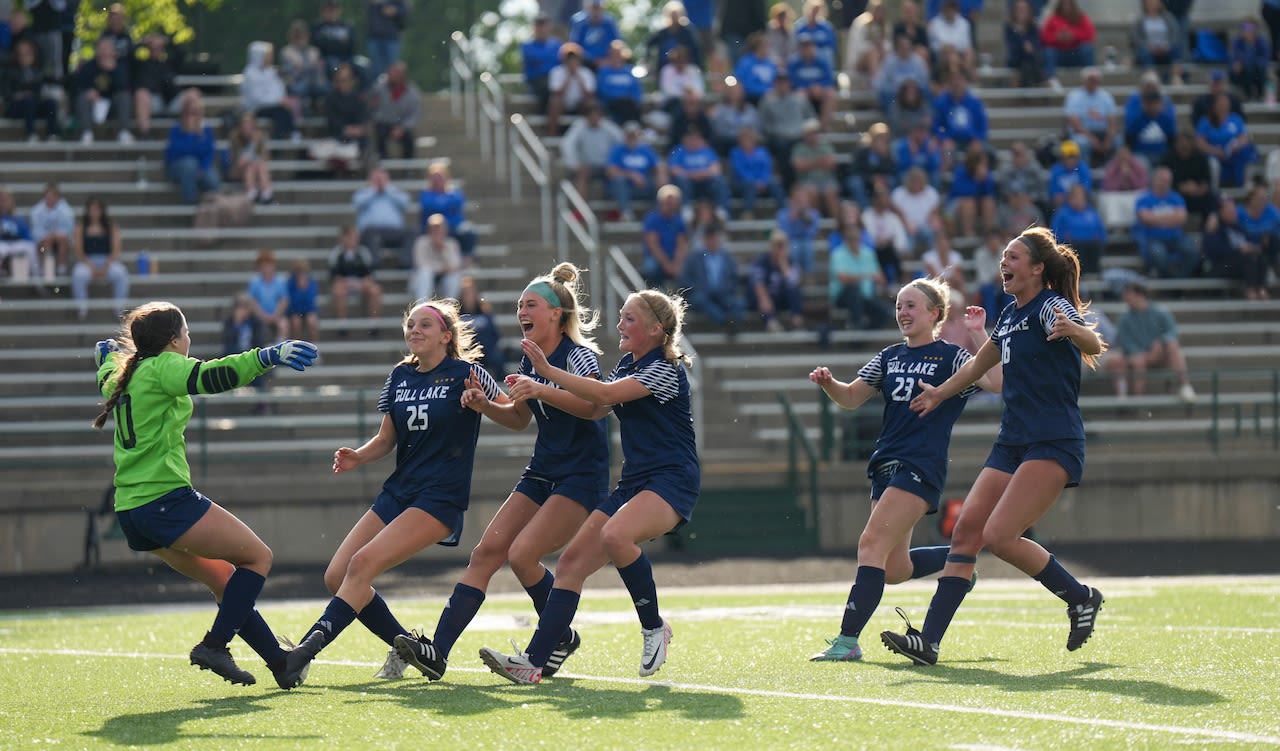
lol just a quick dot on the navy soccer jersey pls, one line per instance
(657, 431)
(897, 372)
(567, 445)
(435, 435)
(1041, 377)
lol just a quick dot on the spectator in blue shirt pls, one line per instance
(1250, 60)
(1067, 171)
(917, 149)
(666, 239)
(695, 168)
(439, 197)
(1230, 253)
(593, 29)
(188, 156)
(380, 208)
(814, 25)
(633, 170)
(1077, 224)
(711, 276)
(798, 222)
(812, 75)
(777, 285)
(1150, 121)
(1221, 135)
(617, 88)
(1160, 230)
(958, 116)
(752, 172)
(1259, 219)
(903, 65)
(756, 70)
(973, 193)
(540, 54)
(677, 32)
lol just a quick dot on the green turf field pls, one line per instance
(1175, 663)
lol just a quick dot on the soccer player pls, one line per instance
(567, 476)
(1039, 340)
(147, 379)
(661, 478)
(431, 405)
(908, 469)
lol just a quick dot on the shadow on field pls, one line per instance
(1076, 679)
(158, 728)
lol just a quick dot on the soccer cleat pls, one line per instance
(561, 653)
(297, 661)
(654, 652)
(842, 649)
(910, 644)
(515, 668)
(220, 661)
(418, 651)
(1083, 617)
(393, 668)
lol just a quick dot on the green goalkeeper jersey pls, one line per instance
(151, 417)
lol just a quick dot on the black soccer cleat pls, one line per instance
(220, 661)
(911, 644)
(1083, 617)
(561, 653)
(297, 661)
(418, 651)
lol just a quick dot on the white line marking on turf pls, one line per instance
(982, 747)
(1226, 735)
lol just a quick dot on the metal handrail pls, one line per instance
(529, 151)
(577, 218)
(796, 437)
(462, 95)
(492, 107)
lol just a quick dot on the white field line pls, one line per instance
(1224, 735)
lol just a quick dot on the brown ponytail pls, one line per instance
(146, 332)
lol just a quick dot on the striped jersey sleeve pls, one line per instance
(583, 362)
(962, 357)
(661, 378)
(487, 382)
(1048, 313)
(872, 373)
(384, 399)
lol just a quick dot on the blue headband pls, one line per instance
(545, 291)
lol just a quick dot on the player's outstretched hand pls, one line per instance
(1063, 326)
(536, 357)
(295, 353)
(103, 349)
(473, 396)
(344, 459)
(975, 319)
(522, 388)
(926, 401)
(821, 376)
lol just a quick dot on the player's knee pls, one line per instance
(998, 540)
(616, 541)
(488, 557)
(871, 544)
(333, 578)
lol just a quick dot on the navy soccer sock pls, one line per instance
(942, 608)
(864, 597)
(238, 598)
(463, 605)
(561, 606)
(337, 616)
(377, 617)
(1059, 581)
(539, 591)
(258, 635)
(928, 560)
(638, 578)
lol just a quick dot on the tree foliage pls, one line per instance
(168, 17)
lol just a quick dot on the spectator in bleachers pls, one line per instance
(572, 86)
(540, 55)
(814, 161)
(887, 234)
(16, 28)
(303, 311)
(868, 45)
(15, 238)
(1160, 230)
(262, 91)
(1146, 337)
(1078, 224)
(437, 262)
(959, 116)
(702, 19)
(918, 203)
(813, 75)
(1068, 35)
(586, 147)
(1260, 222)
(1017, 210)
(730, 117)
(1156, 39)
(189, 155)
(345, 110)
(756, 70)
(24, 97)
(674, 34)
(689, 114)
(912, 109)
(395, 103)
(120, 34)
(1150, 120)
(987, 275)
(912, 26)
(702, 215)
(1023, 47)
(1069, 170)
(695, 168)
(441, 197)
(1093, 119)
(679, 77)
(1230, 253)
(269, 291)
(711, 276)
(98, 251)
(751, 168)
(783, 115)
(1023, 170)
(777, 285)
(303, 68)
(593, 29)
(617, 88)
(1181, 10)
(103, 89)
(778, 33)
(351, 267)
(335, 39)
(738, 22)
(1192, 175)
(385, 22)
(475, 310)
(241, 332)
(155, 87)
(380, 225)
(798, 222)
(944, 262)
(1222, 135)
(1125, 172)
(53, 224)
(1201, 105)
(855, 281)
(813, 24)
(1250, 60)
(874, 165)
(47, 20)
(952, 29)
(917, 150)
(971, 202)
(666, 239)
(634, 170)
(250, 160)
(903, 65)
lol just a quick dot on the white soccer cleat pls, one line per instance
(393, 668)
(515, 668)
(654, 652)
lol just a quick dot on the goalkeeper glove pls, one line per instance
(295, 353)
(103, 349)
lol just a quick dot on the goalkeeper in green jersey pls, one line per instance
(147, 379)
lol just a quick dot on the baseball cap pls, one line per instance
(1069, 148)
